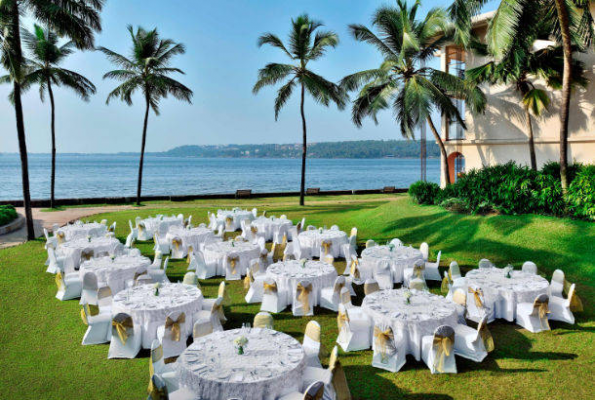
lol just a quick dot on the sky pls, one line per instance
(221, 65)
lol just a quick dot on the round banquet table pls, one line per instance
(161, 225)
(114, 272)
(312, 240)
(399, 259)
(194, 237)
(272, 365)
(237, 216)
(413, 321)
(101, 246)
(505, 293)
(269, 227)
(82, 231)
(149, 311)
(287, 274)
(217, 253)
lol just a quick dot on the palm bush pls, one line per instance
(424, 192)
(7, 214)
(581, 193)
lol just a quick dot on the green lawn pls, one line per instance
(40, 336)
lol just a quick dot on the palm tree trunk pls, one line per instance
(531, 140)
(53, 124)
(442, 150)
(566, 77)
(18, 108)
(304, 149)
(142, 155)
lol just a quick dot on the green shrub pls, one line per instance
(424, 192)
(455, 205)
(7, 214)
(581, 193)
(552, 168)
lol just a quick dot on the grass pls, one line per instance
(40, 336)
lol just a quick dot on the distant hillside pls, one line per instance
(350, 149)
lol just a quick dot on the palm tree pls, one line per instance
(520, 66)
(76, 19)
(147, 71)
(570, 22)
(304, 46)
(403, 82)
(43, 69)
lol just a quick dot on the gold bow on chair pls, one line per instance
(61, 237)
(576, 305)
(354, 270)
(87, 254)
(89, 310)
(338, 287)
(303, 296)
(477, 295)
(156, 355)
(60, 281)
(122, 328)
(443, 346)
(269, 288)
(543, 312)
(248, 280)
(228, 221)
(175, 326)
(342, 319)
(254, 230)
(326, 245)
(446, 283)
(190, 252)
(176, 242)
(141, 227)
(384, 340)
(264, 257)
(233, 261)
(218, 310)
(418, 271)
(486, 336)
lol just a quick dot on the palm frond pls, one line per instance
(283, 95)
(363, 34)
(273, 40)
(322, 90)
(117, 59)
(322, 41)
(271, 74)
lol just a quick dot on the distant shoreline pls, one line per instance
(161, 155)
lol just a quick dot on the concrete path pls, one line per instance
(47, 219)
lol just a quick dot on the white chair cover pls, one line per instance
(126, 339)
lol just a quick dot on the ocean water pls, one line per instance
(92, 175)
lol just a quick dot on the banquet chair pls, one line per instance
(383, 275)
(157, 366)
(313, 392)
(534, 316)
(143, 280)
(273, 300)
(417, 272)
(453, 279)
(207, 304)
(303, 299)
(484, 263)
(295, 250)
(294, 232)
(370, 286)
(158, 274)
(98, 324)
(561, 308)
(190, 279)
(160, 244)
(173, 335)
(325, 249)
(330, 297)
(263, 320)
(529, 267)
(389, 350)
(311, 228)
(335, 228)
(157, 260)
(220, 231)
(86, 255)
(335, 382)
(460, 299)
(232, 267)
(129, 241)
(133, 230)
(425, 250)
(557, 284)
(257, 269)
(177, 248)
(431, 271)
(89, 290)
(126, 338)
(473, 344)
(104, 299)
(355, 277)
(278, 249)
(311, 344)
(329, 259)
(248, 231)
(56, 263)
(396, 242)
(354, 333)
(255, 212)
(202, 269)
(478, 306)
(202, 328)
(69, 286)
(158, 391)
(111, 230)
(370, 243)
(418, 284)
(255, 288)
(142, 232)
(50, 239)
(215, 315)
(437, 351)
(212, 221)
(188, 222)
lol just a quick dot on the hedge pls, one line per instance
(7, 214)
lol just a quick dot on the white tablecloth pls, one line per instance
(399, 259)
(149, 311)
(413, 321)
(272, 364)
(505, 293)
(114, 272)
(190, 237)
(287, 274)
(101, 246)
(268, 227)
(81, 231)
(161, 225)
(311, 241)
(216, 254)
(237, 216)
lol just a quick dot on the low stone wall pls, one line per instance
(13, 225)
(126, 200)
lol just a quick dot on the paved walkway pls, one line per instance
(47, 219)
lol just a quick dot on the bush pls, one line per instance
(7, 214)
(552, 169)
(424, 192)
(581, 193)
(455, 205)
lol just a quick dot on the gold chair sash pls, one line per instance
(486, 337)
(264, 257)
(576, 304)
(254, 230)
(384, 340)
(543, 311)
(303, 296)
(446, 283)
(233, 263)
(122, 328)
(342, 319)
(339, 382)
(313, 332)
(218, 310)
(477, 295)
(175, 326)
(87, 254)
(156, 355)
(61, 237)
(338, 287)
(190, 252)
(326, 245)
(228, 221)
(263, 321)
(248, 280)
(354, 270)
(270, 288)
(176, 243)
(60, 281)
(418, 271)
(443, 346)
(156, 393)
(141, 227)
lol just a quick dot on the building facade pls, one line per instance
(500, 135)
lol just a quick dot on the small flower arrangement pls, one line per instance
(303, 262)
(112, 257)
(240, 342)
(156, 287)
(408, 295)
(320, 230)
(391, 247)
(508, 271)
(89, 238)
